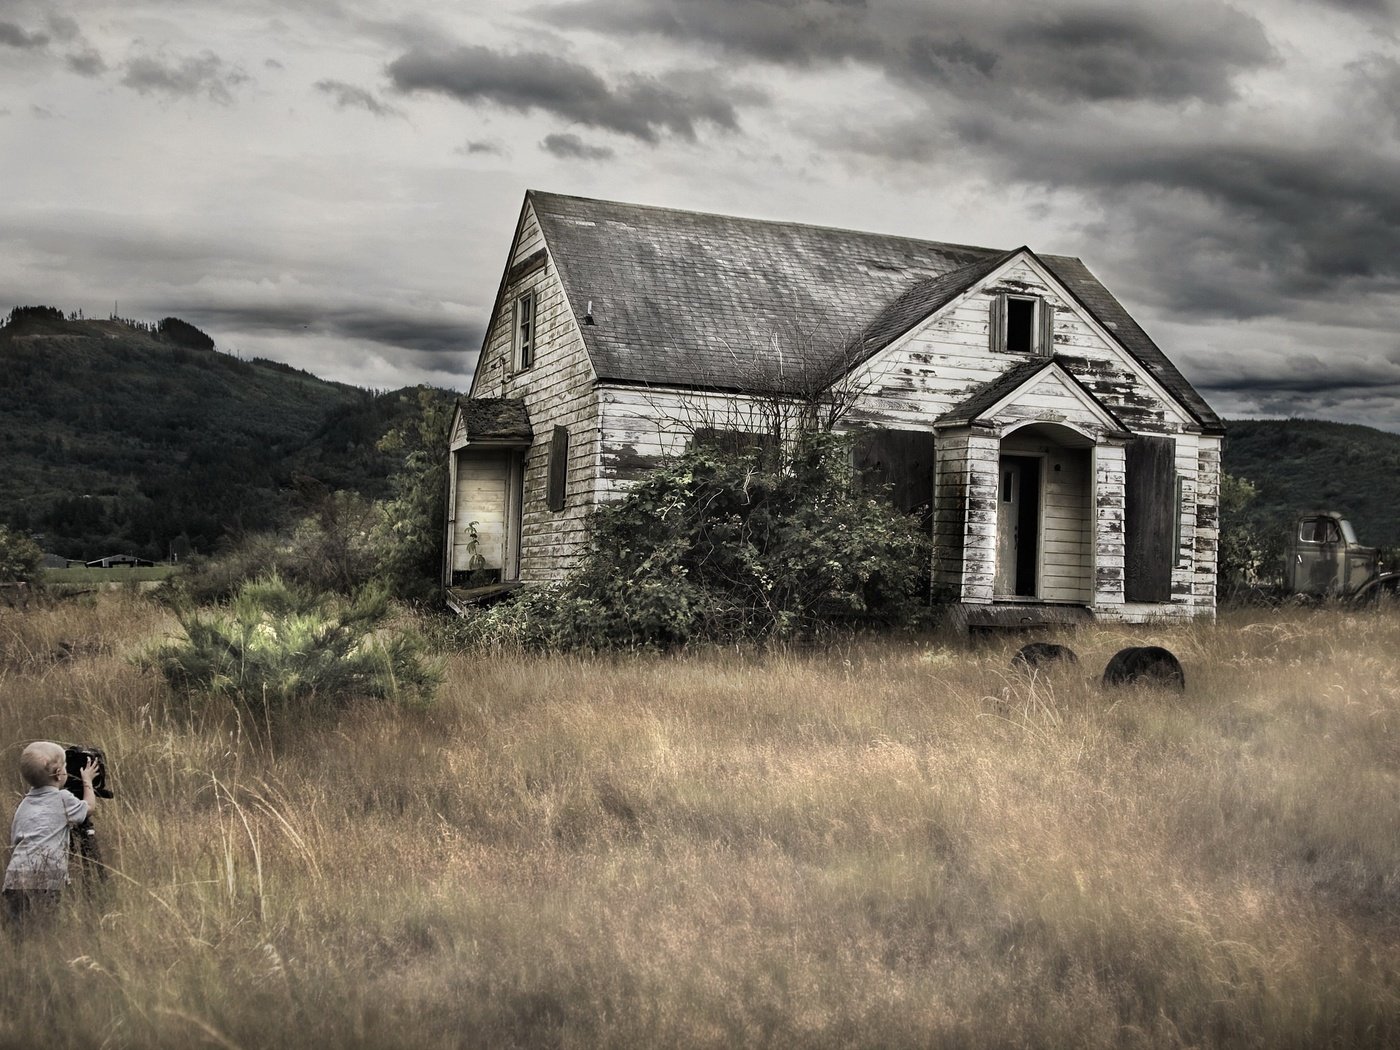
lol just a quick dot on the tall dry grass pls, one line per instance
(888, 844)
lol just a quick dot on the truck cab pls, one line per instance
(1323, 557)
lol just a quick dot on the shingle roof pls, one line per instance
(692, 299)
(495, 417)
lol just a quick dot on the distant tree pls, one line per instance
(20, 557)
(181, 333)
(1248, 553)
(410, 537)
(35, 313)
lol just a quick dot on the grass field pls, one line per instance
(83, 575)
(893, 843)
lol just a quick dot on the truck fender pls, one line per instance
(1382, 584)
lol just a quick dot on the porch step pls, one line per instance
(459, 599)
(1019, 616)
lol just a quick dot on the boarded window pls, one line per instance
(1149, 519)
(901, 460)
(558, 467)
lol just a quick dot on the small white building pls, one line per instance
(1065, 467)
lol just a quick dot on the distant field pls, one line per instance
(84, 575)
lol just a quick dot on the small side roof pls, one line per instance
(989, 395)
(494, 419)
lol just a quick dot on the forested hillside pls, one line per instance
(120, 437)
(1302, 464)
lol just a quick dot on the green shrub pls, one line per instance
(330, 549)
(277, 645)
(721, 548)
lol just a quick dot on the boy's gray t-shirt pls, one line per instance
(39, 839)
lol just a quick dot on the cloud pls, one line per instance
(571, 147)
(1091, 51)
(638, 106)
(63, 27)
(86, 63)
(471, 148)
(348, 96)
(204, 74)
(12, 35)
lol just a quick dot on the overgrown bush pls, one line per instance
(20, 557)
(277, 645)
(722, 548)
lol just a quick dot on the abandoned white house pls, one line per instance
(1060, 459)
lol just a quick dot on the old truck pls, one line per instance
(1323, 559)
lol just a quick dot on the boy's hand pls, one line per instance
(88, 772)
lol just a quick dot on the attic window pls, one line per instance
(525, 331)
(1022, 324)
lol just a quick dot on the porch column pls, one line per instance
(1109, 482)
(980, 539)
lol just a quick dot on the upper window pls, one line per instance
(525, 330)
(1022, 324)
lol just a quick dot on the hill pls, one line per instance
(118, 437)
(1304, 464)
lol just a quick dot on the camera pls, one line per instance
(76, 756)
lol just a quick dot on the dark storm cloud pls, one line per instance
(573, 147)
(1298, 220)
(1314, 374)
(1092, 52)
(12, 35)
(428, 336)
(205, 74)
(348, 96)
(642, 107)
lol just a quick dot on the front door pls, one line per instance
(1018, 527)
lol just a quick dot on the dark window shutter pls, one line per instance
(995, 323)
(1047, 329)
(901, 459)
(558, 467)
(1149, 519)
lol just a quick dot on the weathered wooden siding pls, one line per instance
(949, 511)
(558, 390)
(1204, 551)
(482, 498)
(640, 426)
(983, 464)
(938, 365)
(1108, 528)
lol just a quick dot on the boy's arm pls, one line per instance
(86, 774)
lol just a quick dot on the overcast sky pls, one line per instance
(334, 183)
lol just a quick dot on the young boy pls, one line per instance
(38, 868)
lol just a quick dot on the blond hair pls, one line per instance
(41, 763)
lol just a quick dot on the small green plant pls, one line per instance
(277, 645)
(475, 559)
